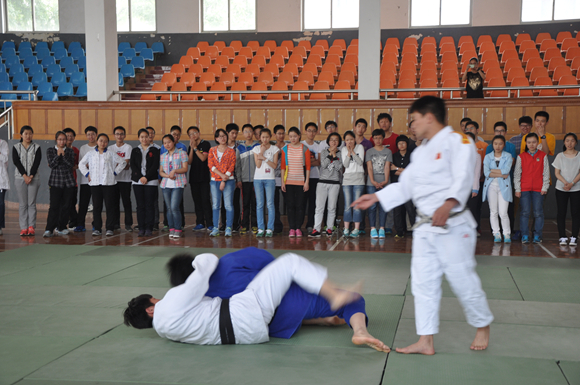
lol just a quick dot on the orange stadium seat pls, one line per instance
(223, 60)
(331, 67)
(320, 86)
(326, 76)
(340, 43)
(488, 64)
(450, 74)
(464, 39)
(387, 84)
(293, 68)
(530, 53)
(236, 45)
(159, 87)
(335, 50)
(271, 44)
(207, 78)
(556, 62)
(488, 55)
(259, 60)
(493, 73)
(406, 84)
(484, 39)
(429, 57)
(427, 74)
(354, 42)
(169, 79)
(511, 63)
(428, 40)
(296, 59)
(428, 65)
(575, 65)
(534, 63)
(538, 72)
(323, 43)
(266, 78)
(547, 44)
(282, 51)
(242, 61)
(451, 83)
(568, 80)
(253, 69)
(272, 68)
(217, 86)
(300, 86)
(428, 83)
(352, 67)
(264, 51)
(449, 56)
(348, 76)
(287, 77)
(485, 47)
(410, 41)
(526, 44)
(258, 86)
(195, 87)
(306, 76)
(306, 44)
(354, 59)
(466, 46)
(278, 86)
(561, 71)
(387, 74)
(545, 81)
(516, 72)
(238, 87)
(196, 70)
(446, 40)
(289, 44)
(212, 52)
(234, 69)
(568, 44)
(301, 51)
(178, 70)
(388, 65)
(497, 82)
(193, 52)
(542, 36)
(522, 37)
(551, 53)
(447, 47)
(216, 69)
(572, 53)
(467, 56)
(578, 36)
(228, 79)
(391, 48)
(311, 67)
(562, 36)
(390, 57)
(254, 45)
(334, 59)
(247, 52)
(204, 61)
(341, 85)
(503, 38)
(315, 59)
(506, 45)
(393, 40)
(318, 50)
(352, 50)
(202, 45)
(148, 97)
(521, 82)
(278, 60)
(407, 65)
(509, 54)
(188, 79)
(176, 87)
(219, 45)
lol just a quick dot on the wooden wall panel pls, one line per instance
(326, 114)
(475, 114)
(71, 119)
(365, 113)
(206, 123)
(257, 117)
(54, 123)
(309, 115)
(121, 118)
(454, 116)
(138, 121)
(572, 120)
(89, 118)
(275, 116)
(105, 119)
(512, 117)
(345, 119)
(223, 117)
(556, 124)
(172, 117)
(240, 117)
(154, 119)
(492, 115)
(292, 118)
(21, 119)
(189, 117)
(38, 119)
(400, 120)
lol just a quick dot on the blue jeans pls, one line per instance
(216, 198)
(532, 201)
(373, 211)
(173, 198)
(352, 193)
(269, 186)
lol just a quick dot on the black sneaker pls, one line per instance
(314, 234)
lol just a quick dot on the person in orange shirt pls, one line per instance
(547, 142)
(481, 147)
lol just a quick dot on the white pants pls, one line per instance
(272, 283)
(451, 254)
(498, 205)
(324, 191)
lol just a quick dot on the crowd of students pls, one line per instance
(510, 174)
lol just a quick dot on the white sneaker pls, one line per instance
(573, 241)
(564, 241)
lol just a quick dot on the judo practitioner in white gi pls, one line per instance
(185, 314)
(439, 180)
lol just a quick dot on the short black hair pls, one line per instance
(471, 135)
(216, 134)
(334, 134)
(295, 130)
(141, 131)
(279, 127)
(119, 128)
(526, 120)
(136, 312)
(472, 123)
(531, 135)
(193, 128)
(246, 126)
(258, 127)
(430, 105)
(175, 127)
(348, 133)
(465, 120)
(501, 137)
(266, 130)
(68, 129)
(150, 128)
(384, 115)
(102, 134)
(168, 136)
(179, 268)
(91, 128)
(378, 132)
(310, 124)
(542, 114)
(232, 127)
(361, 120)
(500, 123)
(402, 138)
(329, 123)
(27, 128)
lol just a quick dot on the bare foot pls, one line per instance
(364, 338)
(343, 297)
(328, 321)
(423, 346)
(481, 339)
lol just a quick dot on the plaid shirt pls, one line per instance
(178, 158)
(61, 168)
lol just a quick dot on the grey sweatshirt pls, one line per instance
(330, 168)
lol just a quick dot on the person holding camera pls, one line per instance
(473, 79)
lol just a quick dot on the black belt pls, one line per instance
(226, 328)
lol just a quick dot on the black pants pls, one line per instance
(145, 197)
(103, 194)
(278, 225)
(295, 198)
(400, 217)
(59, 210)
(311, 199)
(166, 221)
(249, 207)
(123, 192)
(236, 224)
(84, 200)
(474, 205)
(562, 198)
(201, 194)
(74, 215)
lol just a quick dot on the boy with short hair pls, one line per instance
(546, 141)
(257, 132)
(70, 138)
(245, 169)
(199, 178)
(378, 160)
(85, 190)
(525, 123)
(385, 122)
(123, 186)
(315, 148)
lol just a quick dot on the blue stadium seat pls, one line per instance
(25, 86)
(121, 80)
(8, 97)
(53, 69)
(71, 69)
(6, 86)
(43, 88)
(42, 53)
(123, 46)
(18, 78)
(147, 54)
(8, 44)
(81, 90)
(140, 46)
(60, 53)
(128, 71)
(30, 61)
(58, 79)
(16, 68)
(34, 69)
(39, 78)
(4, 77)
(77, 53)
(41, 45)
(74, 45)
(24, 45)
(12, 61)
(8, 51)
(57, 45)
(129, 53)
(138, 62)
(66, 61)
(65, 89)
(77, 78)
(25, 53)
(158, 47)
(122, 61)
(82, 63)
(50, 96)
(48, 60)
(2, 67)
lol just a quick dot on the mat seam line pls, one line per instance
(118, 271)
(515, 283)
(561, 370)
(160, 236)
(394, 336)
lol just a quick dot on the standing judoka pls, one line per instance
(439, 181)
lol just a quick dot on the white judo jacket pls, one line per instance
(441, 168)
(185, 314)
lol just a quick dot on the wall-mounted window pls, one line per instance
(228, 15)
(547, 10)
(136, 16)
(32, 15)
(330, 14)
(440, 12)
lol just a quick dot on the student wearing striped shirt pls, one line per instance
(295, 176)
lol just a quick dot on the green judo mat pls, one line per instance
(61, 323)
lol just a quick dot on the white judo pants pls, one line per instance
(451, 254)
(273, 281)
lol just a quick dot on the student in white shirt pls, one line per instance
(100, 167)
(85, 190)
(123, 186)
(266, 158)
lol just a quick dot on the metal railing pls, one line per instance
(7, 119)
(515, 92)
(4, 101)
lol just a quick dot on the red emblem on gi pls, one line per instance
(438, 156)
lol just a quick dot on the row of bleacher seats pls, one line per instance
(543, 61)
(132, 58)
